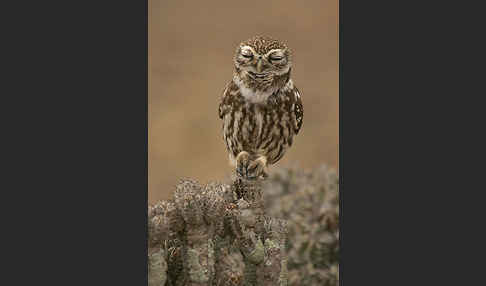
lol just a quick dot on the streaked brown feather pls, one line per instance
(281, 119)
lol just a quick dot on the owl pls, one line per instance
(261, 108)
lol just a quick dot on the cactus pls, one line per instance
(280, 231)
(309, 201)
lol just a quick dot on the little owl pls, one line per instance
(261, 107)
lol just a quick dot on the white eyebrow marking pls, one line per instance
(248, 48)
(275, 50)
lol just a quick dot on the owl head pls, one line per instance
(262, 58)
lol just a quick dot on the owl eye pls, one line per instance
(275, 58)
(246, 52)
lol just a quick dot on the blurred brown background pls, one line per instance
(191, 45)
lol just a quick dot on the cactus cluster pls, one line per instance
(283, 231)
(309, 201)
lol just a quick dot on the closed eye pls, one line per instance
(276, 58)
(247, 56)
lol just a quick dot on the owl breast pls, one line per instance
(258, 128)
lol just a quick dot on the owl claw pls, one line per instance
(256, 169)
(241, 172)
(242, 161)
(250, 170)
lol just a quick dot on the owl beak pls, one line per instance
(259, 66)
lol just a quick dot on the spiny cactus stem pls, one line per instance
(199, 224)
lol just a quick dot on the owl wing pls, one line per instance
(223, 106)
(297, 110)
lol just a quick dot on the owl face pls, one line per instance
(262, 57)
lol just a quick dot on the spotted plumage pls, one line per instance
(261, 108)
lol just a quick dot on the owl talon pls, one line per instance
(242, 161)
(241, 172)
(251, 177)
(257, 168)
